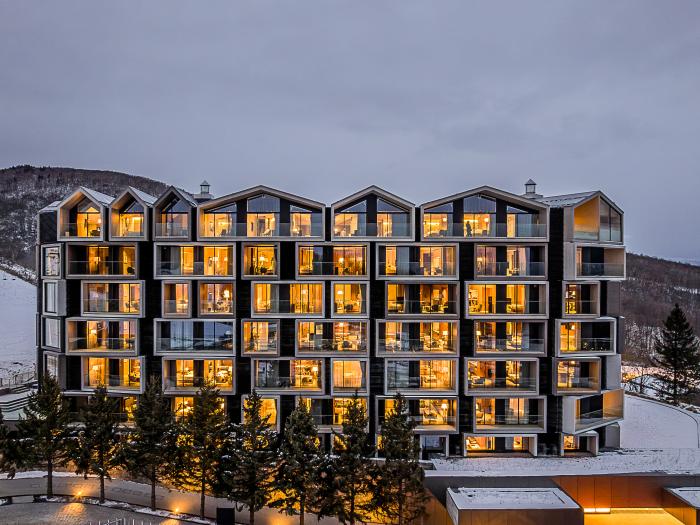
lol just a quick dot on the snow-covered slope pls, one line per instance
(17, 324)
(649, 424)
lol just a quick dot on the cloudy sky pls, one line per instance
(323, 98)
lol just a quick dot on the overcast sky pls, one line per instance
(324, 98)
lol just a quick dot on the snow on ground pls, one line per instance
(17, 318)
(649, 424)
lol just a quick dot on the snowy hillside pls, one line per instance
(17, 324)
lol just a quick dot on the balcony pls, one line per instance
(586, 337)
(418, 261)
(111, 298)
(89, 261)
(329, 337)
(260, 260)
(581, 414)
(509, 337)
(260, 338)
(329, 413)
(117, 375)
(581, 299)
(101, 336)
(332, 261)
(416, 376)
(577, 377)
(305, 299)
(421, 299)
(194, 261)
(191, 336)
(348, 376)
(188, 376)
(598, 262)
(502, 376)
(507, 415)
(506, 269)
(288, 375)
(344, 228)
(475, 229)
(506, 299)
(415, 337)
(431, 415)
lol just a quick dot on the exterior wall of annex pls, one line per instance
(496, 315)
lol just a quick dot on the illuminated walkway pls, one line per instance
(632, 517)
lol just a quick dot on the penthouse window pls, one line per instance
(130, 220)
(219, 221)
(479, 216)
(392, 221)
(263, 216)
(173, 219)
(351, 221)
(304, 222)
(438, 221)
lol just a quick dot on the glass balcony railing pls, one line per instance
(105, 344)
(202, 269)
(506, 307)
(260, 347)
(419, 383)
(321, 344)
(527, 420)
(373, 230)
(101, 268)
(597, 417)
(408, 306)
(579, 383)
(82, 230)
(112, 381)
(491, 231)
(515, 384)
(284, 306)
(587, 344)
(194, 344)
(410, 345)
(167, 229)
(269, 229)
(286, 382)
(494, 344)
(589, 269)
(111, 306)
(505, 269)
(328, 268)
(580, 307)
(429, 421)
(196, 382)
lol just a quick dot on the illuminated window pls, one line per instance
(392, 221)
(259, 337)
(130, 220)
(183, 407)
(349, 260)
(349, 299)
(480, 443)
(176, 298)
(88, 219)
(305, 223)
(220, 221)
(260, 260)
(479, 216)
(437, 221)
(396, 298)
(306, 298)
(348, 375)
(268, 410)
(351, 221)
(215, 298)
(173, 219)
(122, 298)
(218, 372)
(263, 216)
(482, 298)
(218, 260)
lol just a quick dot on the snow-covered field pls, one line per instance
(649, 424)
(17, 318)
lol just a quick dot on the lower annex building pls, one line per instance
(496, 315)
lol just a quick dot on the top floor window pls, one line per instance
(351, 221)
(521, 223)
(438, 220)
(597, 220)
(610, 223)
(219, 221)
(130, 220)
(392, 221)
(304, 222)
(263, 216)
(479, 216)
(88, 219)
(174, 219)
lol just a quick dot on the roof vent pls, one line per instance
(531, 190)
(204, 194)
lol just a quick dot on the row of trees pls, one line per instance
(247, 462)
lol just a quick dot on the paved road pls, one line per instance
(72, 514)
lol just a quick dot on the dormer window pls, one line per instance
(351, 221)
(437, 221)
(392, 221)
(130, 220)
(479, 216)
(88, 220)
(174, 219)
(597, 220)
(263, 216)
(220, 221)
(522, 223)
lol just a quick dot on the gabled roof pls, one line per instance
(95, 196)
(388, 196)
(492, 192)
(144, 198)
(255, 190)
(180, 193)
(575, 199)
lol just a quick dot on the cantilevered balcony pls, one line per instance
(288, 375)
(432, 261)
(287, 298)
(508, 415)
(487, 376)
(320, 338)
(112, 298)
(582, 338)
(189, 375)
(416, 376)
(581, 414)
(117, 375)
(332, 261)
(422, 299)
(510, 261)
(577, 376)
(101, 336)
(500, 299)
(505, 337)
(97, 261)
(417, 337)
(187, 336)
(329, 413)
(431, 415)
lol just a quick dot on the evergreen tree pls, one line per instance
(8, 450)
(300, 462)
(250, 471)
(148, 449)
(43, 432)
(400, 496)
(678, 357)
(352, 465)
(97, 447)
(202, 435)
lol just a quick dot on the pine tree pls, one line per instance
(97, 447)
(250, 472)
(201, 437)
(352, 465)
(400, 496)
(43, 432)
(300, 462)
(678, 357)
(148, 449)
(8, 450)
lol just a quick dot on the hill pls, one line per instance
(24, 190)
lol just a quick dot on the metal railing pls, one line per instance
(102, 267)
(591, 269)
(493, 344)
(507, 307)
(323, 344)
(505, 269)
(417, 345)
(409, 306)
(195, 382)
(510, 420)
(112, 381)
(587, 344)
(415, 269)
(103, 344)
(295, 383)
(329, 268)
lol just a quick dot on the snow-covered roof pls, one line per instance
(510, 498)
(145, 197)
(491, 191)
(97, 196)
(570, 199)
(180, 193)
(50, 207)
(387, 195)
(690, 495)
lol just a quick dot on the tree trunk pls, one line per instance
(251, 513)
(102, 487)
(153, 488)
(201, 498)
(302, 508)
(49, 478)
(400, 497)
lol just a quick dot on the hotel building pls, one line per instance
(496, 315)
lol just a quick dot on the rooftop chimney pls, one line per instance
(203, 194)
(530, 190)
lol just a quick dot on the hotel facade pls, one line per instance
(496, 315)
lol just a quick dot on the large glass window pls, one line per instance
(349, 299)
(349, 376)
(51, 297)
(351, 221)
(392, 221)
(305, 222)
(522, 223)
(176, 299)
(218, 260)
(263, 216)
(176, 260)
(260, 337)
(219, 221)
(306, 298)
(260, 260)
(311, 260)
(479, 216)
(131, 219)
(610, 223)
(174, 219)
(88, 219)
(438, 220)
(122, 298)
(482, 298)
(413, 336)
(349, 260)
(52, 332)
(215, 298)
(331, 336)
